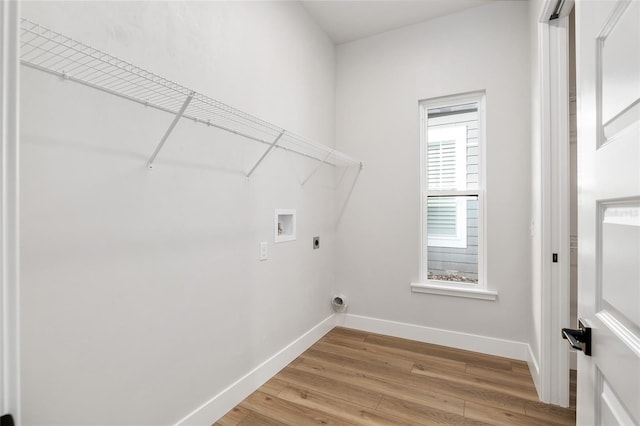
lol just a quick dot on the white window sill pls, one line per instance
(455, 291)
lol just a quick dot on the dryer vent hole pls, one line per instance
(338, 304)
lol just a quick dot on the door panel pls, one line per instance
(618, 360)
(608, 60)
(620, 230)
(618, 65)
(611, 409)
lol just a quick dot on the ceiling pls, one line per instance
(346, 21)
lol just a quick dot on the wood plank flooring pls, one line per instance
(350, 377)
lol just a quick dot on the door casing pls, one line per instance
(552, 381)
(9, 210)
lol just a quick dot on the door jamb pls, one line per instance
(9, 209)
(555, 193)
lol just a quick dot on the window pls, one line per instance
(452, 194)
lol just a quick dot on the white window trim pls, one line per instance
(447, 288)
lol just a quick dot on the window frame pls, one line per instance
(424, 285)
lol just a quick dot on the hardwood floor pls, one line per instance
(351, 377)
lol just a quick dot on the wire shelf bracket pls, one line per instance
(46, 50)
(273, 144)
(169, 130)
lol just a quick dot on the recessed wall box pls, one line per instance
(285, 225)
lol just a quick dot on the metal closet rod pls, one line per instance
(54, 53)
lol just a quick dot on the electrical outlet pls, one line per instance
(263, 250)
(316, 243)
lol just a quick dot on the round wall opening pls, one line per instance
(339, 303)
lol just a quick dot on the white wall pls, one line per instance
(142, 293)
(379, 83)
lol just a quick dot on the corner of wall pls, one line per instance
(231, 396)
(535, 309)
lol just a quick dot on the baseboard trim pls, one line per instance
(534, 369)
(231, 396)
(220, 404)
(437, 336)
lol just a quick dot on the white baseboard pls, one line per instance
(437, 336)
(534, 369)
(228, 398)
(220, 404)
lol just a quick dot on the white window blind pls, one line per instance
(446, 170)
(442, 218)
(446, 158)
(442, 164)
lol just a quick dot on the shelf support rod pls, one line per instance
(322, 162)
(170, 129)
(273, 144)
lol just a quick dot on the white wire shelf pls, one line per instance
(55, 53)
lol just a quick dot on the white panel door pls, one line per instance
(608, 58)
